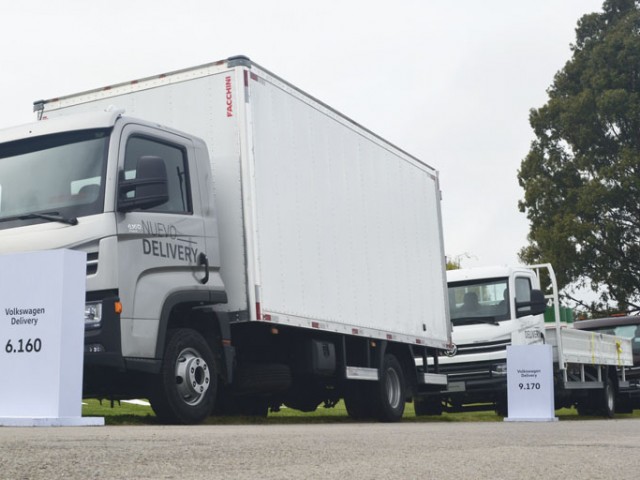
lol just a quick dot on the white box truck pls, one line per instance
(248, 246)
(495, 307)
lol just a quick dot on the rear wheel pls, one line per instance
(600, 401)
(608, 399)
(185, 390)
(389, 392)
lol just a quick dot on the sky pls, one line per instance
(450, 82)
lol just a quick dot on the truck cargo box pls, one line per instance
(322, 224)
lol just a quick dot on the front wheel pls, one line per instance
(389, 391)
(185, 390)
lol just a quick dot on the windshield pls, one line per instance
(61, 174)
(479, 301)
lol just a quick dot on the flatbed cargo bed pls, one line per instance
(589, 348)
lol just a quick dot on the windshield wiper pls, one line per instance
(52, 217)
(471, 320)
(490, 320)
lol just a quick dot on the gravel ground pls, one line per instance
(593, 449)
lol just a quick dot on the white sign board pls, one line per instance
(530, 383)
(42, 297)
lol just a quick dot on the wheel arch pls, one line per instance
(193, 309)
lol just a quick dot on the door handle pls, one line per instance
(203, 260)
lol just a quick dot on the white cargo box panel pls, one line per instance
(322, 224)
(348, 229)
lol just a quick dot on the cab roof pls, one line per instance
(64, 123)
(479, 273)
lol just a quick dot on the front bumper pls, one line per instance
(102, 345)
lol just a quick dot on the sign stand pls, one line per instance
(42, 296)
(530, 383)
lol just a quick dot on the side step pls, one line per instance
(432, 379)
(361, 373)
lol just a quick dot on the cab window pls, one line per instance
(175, 160)
(523, 294)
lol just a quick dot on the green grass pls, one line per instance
(118, 413)
(122, 413)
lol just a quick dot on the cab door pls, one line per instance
(530, 325)
(160, 248)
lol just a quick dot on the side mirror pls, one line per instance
(535, 306)
(149, 187)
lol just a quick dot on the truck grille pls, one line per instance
(483, 347)
(471, 371)
(92, 263)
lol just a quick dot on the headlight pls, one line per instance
(92, 315)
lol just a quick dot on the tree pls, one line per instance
(455, 263)
(581, 177)
(452, 263)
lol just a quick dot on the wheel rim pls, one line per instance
(392, 383)
(192, 376)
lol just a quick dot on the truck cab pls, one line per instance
(136, 197)
(491, 308)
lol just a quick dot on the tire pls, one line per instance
(427, 406)
(185, 390)
(608, 399)
(389, 391)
